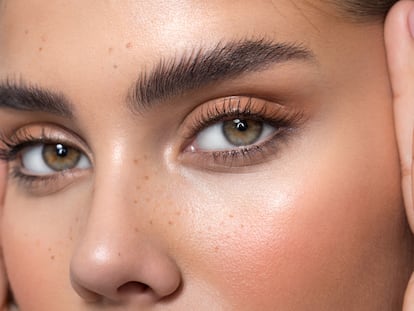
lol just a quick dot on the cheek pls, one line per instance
(317, 236)
(37, 243)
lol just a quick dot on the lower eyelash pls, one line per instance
(245, 156)
(31, 181)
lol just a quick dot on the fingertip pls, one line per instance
(399, 31)
(409, 296)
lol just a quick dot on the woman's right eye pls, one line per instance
(46, 159)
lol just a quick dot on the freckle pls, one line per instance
(115, 66)
(110, 50)
(150, 222)
(77, 219)
(129, 45)
(170, 222)
(135, 201)
(49, 249)
(52, 257)
(145, 157)
(70, 238)
(135, 161)
(146, 177)
(26, 32)
(137, 187)
(119, 254)
(231, 216)
(40, 49)
(136, 230)
(242, 226)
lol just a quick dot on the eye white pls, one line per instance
(33, 161)
(213, 139)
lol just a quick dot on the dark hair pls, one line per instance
(367, 10)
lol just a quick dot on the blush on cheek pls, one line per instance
(310, 253)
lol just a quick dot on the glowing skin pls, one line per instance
(312, 220)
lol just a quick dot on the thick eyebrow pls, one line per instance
(199, 68)
(23, 97)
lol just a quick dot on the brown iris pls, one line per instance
(60, 157)
(242, 132)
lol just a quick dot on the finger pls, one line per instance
(409, 296)
(3, 276)
(399, 39)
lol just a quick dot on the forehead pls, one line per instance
(154, 26)
(97, 42)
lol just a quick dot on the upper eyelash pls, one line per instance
(12, 145)
(227, 109)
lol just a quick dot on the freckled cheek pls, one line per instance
(259, 253)
(241, 250)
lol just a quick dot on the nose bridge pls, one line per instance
(117, 257)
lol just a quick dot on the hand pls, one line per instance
(399, 39)
(3, 277)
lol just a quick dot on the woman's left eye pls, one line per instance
(46, 159)
(231, 134)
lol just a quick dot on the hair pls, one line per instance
(365, 10)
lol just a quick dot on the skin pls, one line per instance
(399, 39)
(316, 224)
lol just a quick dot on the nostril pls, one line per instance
(133, 288)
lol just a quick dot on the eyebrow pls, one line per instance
(202, 67)
(169, 78)
(24, 97)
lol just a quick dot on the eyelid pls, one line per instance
(33, 134)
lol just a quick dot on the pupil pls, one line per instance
(241, 125)
(61, 150)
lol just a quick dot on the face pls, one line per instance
(200, 155)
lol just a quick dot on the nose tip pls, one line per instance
(144, 274)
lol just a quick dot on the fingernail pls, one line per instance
(411, 22)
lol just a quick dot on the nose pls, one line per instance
(113, 264)
(102, 275)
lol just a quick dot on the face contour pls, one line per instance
(200, 155)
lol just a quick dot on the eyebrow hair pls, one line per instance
(202, 67)
(24, 97)
(169, 78)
